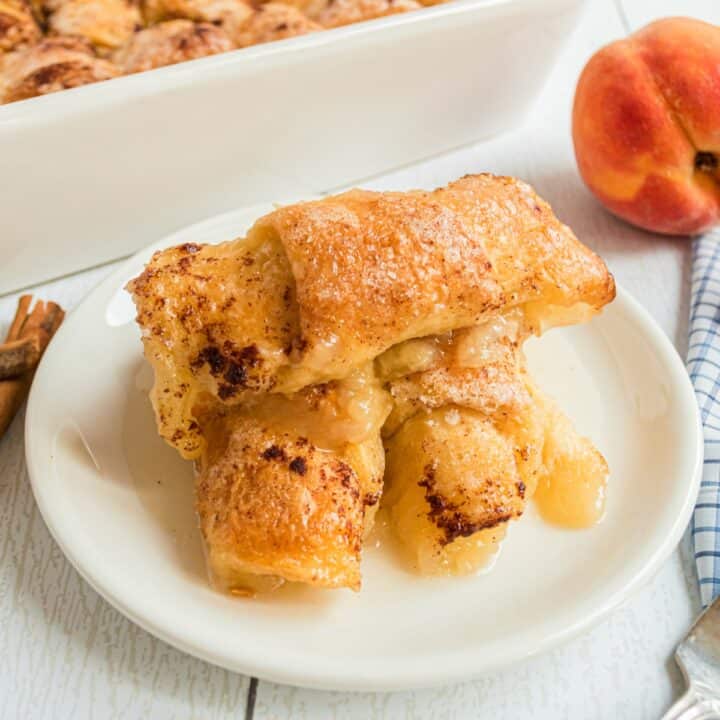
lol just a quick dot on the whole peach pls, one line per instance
(646, 126)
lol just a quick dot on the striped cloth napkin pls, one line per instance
(703, 363)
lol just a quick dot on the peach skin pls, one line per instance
(646, 126)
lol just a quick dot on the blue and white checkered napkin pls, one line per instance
(703, 363)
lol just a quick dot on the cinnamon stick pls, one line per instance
(36, 327)
(20, 317)
(18, 356)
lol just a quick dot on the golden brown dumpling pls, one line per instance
(308, 7)
(470, 440)
(107, 24)
(273, 21)
(227, 338)
(51, 65)
(288, 488)
(171, 42)
(227, 14)
(345, 12)
(18, 27)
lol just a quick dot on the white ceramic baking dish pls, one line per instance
(91, 174)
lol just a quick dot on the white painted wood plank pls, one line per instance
(66, 654)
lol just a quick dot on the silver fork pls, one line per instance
(698, 656)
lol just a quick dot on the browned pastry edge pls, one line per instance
(171, 42)
(51, 65)
(273, 21)
(335, 13)
(18, 27)
(272, 503)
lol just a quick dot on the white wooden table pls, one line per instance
(65, 653)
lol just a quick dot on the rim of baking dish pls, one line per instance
(47, 109)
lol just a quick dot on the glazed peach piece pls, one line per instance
(646, 126)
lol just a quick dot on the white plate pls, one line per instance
(119, 503)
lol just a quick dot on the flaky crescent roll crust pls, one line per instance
(18, 27)
(107, 24)
(51, 65)
(403, 255)
(335, 13)
(319, 288)
(285, 493)
(272, 21)
(534, 256)
(288, 485)
(170, 42)
(220, 12)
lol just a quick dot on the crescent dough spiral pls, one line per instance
(170, 42)
(272, 21)
(362, 316)
(288, 489)
(51, 65)
(335, 13)
(107, 24)
(211, 11)
(18, 27)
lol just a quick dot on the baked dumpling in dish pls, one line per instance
(273, 21)
(107, 24)
(310, 8)
(227, 14)
(18, 27)
(171, 42)
(353, 318)
(51, 65)
(344, 12)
